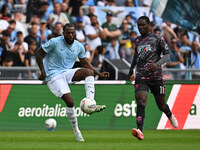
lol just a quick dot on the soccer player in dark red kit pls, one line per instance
(148, 60)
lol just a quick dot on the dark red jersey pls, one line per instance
(149, 49)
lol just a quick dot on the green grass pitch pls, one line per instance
(100, 140)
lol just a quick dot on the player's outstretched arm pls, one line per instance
(86, 64)
(40, 54)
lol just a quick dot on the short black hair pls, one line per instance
(6, 33)
(145, 18)
(67, 25)
(19, 33)
(12, 21)
(43, 3)
(8, 58)
(157, 29)
(100, 49)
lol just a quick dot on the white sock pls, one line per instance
(89, 87)
(71, 113)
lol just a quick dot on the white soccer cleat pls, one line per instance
(78, 135)
(173, 121)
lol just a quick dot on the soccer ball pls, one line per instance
(50, 123)
(88, 105)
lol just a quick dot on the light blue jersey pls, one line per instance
(60, 57)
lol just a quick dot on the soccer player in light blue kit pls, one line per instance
(59, 57)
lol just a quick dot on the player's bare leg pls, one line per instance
(88, 76)
(71, 113)
(141, 99)
(160, 101)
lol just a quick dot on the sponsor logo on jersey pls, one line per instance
(143, 49)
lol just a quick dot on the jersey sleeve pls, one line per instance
(163, 46)
(49, 46)
(82, 52)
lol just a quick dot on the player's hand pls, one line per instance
(132, 77)
(152, 66)
(42, 76)
(104, 75)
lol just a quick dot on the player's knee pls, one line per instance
(141, 102)
(90, 72)
(68, 100)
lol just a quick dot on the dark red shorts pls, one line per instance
(157, 87)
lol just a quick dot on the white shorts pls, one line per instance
(58, 85)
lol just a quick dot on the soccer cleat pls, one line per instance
(78, 135)
(98, 109)
(138, 134)
(173, 121)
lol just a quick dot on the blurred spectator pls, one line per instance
(32, 9)
(157, 31)
(33, 35)
(74, 9)
(18, 15)
(110, 3)
(167, 31)
(101, 3)
(129, 3)
(130, 25)
(130, 51)
(98, 56)
(124, 38)
(133, 34)
(80, 33)
(5, 12)
(152, 26)
(94, 33)
(113, 49)
(176, 59)
(17, 55)
(44, 12)
(30, 60)
(86, 18)
(64, 8)
(5, 45)
(20, 1)
(186, 52)
(110, 29)
(3, 25)
(120, 3)
(34, 19)
(8, 62)
(185, 43)
(13, 32)
(146, 3)
(57, 31)
(9, 3)
(90, 3)
(57, 16)
(179, 31)
(88, 52)
(195, 60)
(44, 31)
(20, 39)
